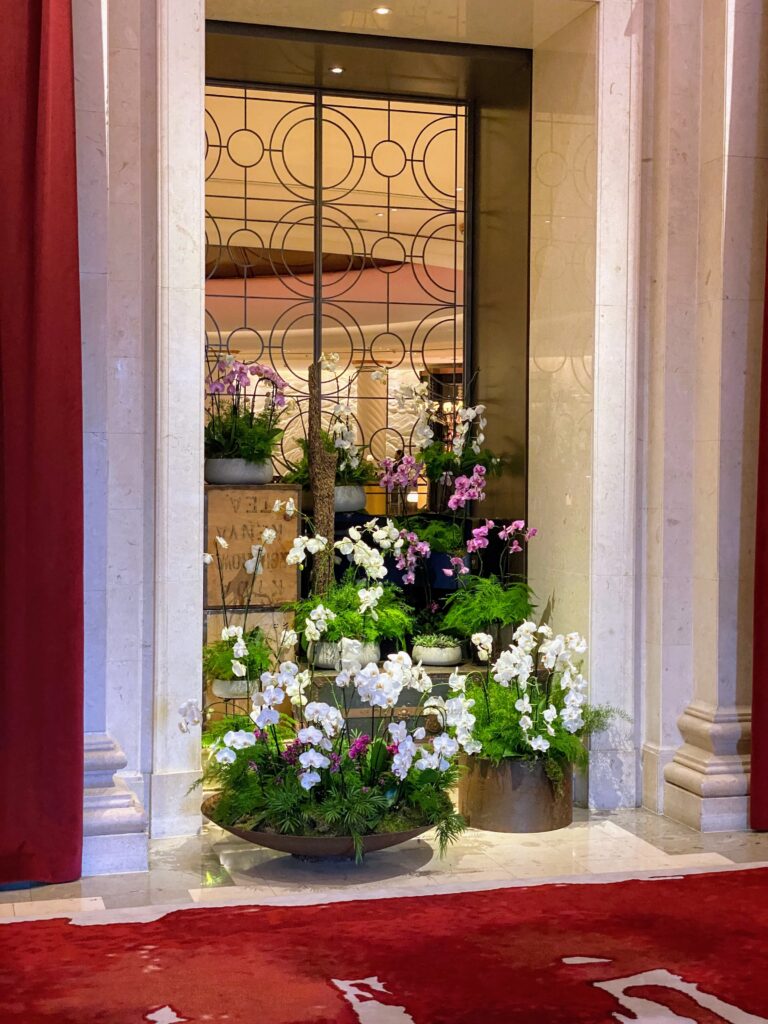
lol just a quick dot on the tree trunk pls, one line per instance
(322, 479)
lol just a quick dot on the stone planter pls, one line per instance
(349, 498)
(437, 656)
(328, 655)
(516, 796)
(232, 689)
(238, 471)
(314, 847)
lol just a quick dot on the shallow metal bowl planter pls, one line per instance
(514, 796)
(314, 847)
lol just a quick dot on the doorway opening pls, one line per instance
(336, 226)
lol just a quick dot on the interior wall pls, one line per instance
(562, 321)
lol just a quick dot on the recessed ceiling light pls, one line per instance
(336, 69)
(459, 189)
(382, 10)
(379, 214)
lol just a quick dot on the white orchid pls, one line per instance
(255, 564)
(484, 644)
(207, 559)
(239, 739)
(222, 543)
(316, 544)
(238, 669)
(288, 638)
(268, 536)
(240, 650)
(369, 599)
(457, 683)
(191, 714)
(265, 717)
(311, 735)
(309, 779)
(539, 743)
(313, 759)
(232, 633)
(296, 687)
(225, 756)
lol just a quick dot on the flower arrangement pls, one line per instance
(291, 762)
(236, 428)
(531, 702)
(347, 610)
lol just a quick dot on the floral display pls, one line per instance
(531, 701)
(243, 423)
(290, 759)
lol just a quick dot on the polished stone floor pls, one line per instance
(216, 868)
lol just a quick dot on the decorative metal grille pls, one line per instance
(378, 186)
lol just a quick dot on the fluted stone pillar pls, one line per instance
(707, 782)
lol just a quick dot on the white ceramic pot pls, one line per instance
(349, 498)
(238, 471)
(437, 656)
(230, 689)
(328, 655)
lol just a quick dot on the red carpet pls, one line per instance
(690, 949)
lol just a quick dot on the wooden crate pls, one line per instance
(240, 514)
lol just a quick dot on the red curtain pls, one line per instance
(41, 503)
(759, 780)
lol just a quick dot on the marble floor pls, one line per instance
(216, 868)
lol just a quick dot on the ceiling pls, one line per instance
(517, 23)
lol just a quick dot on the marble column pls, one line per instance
(707, 782)
(115, 823)
(614, 761)
(669, 340)
(179, 452)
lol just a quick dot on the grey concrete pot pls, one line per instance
(238, 471)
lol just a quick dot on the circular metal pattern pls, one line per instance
(268, 224)
(247, 343)
(240, 246)
(387, 349)
(388, 254)
(213, 145)
(245, 147)
(388, 158)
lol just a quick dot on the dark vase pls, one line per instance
(514, 796)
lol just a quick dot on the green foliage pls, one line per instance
(364, 473)
(230, 434)
(439, 640)
(394, 621)
(439, 460)
(444, 537)
(260, 791)
(482, 602)
(217, 657)
(498, 726)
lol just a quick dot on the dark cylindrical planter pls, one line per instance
(515, 796)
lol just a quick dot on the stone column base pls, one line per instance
(706, 785)
(115, 835)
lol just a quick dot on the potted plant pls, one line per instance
(303, 780)
(348, 616)
(235, 661)
(532, 718)
(242, 430)
(436, 649)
